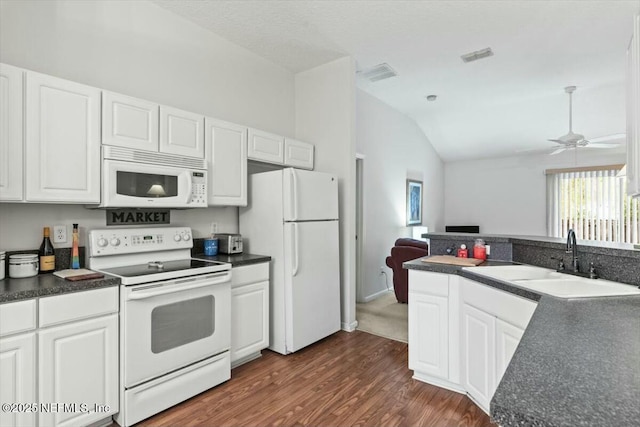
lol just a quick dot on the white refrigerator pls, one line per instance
(292, 215)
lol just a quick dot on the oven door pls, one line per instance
(171, 324)
(129, 184)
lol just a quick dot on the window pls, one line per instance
(594, 203)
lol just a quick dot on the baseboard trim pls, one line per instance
(377, 295)
(350, 327)
(438, 382)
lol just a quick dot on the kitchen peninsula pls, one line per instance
(575, 361)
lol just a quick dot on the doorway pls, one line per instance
(359, 227)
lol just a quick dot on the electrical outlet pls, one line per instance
(59, 234)
(214, 228)
(382, 270)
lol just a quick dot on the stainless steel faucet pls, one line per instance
(572, 248)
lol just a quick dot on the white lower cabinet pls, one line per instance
(478, 349)
(493, 323)
(463, 334)
(62, 369)
(78, 367)
(433, 328)
(249, 312)
(18, 379)
(508, 337)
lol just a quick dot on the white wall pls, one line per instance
(395, 149)
(508, 195)
(142, 50)
(325, 116)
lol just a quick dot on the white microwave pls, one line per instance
(146, 179)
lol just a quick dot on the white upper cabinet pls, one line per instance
(266, 147)
(226, 154)
(129, 122)
(181, 132)
(298, 154)
(11, 141)
(62, 141)
(633, 112)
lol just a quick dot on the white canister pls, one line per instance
(2, 267)
(23, 265)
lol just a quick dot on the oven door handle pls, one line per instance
(175, 286)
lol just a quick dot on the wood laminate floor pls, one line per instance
(347, 379)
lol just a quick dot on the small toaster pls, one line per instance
(229, 243)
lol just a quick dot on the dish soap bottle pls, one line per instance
(46, 253)
(462, 252)
(75, 252)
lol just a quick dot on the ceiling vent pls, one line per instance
(478, 54)
(377, 73)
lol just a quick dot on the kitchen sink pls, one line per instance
(517, 272)
(578, 287)
(550, 282)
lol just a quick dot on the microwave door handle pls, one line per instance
(189, 187)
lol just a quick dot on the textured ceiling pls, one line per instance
(510, 102)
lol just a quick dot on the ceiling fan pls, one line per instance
(574, 140)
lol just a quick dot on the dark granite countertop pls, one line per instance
(578, 363)
(236, 260)
(42, 285)
(599, 247)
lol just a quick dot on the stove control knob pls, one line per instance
(115, 242)
(177, 238)
(102, 242)
(187, 237)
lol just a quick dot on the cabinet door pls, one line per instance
(181, 132)
(63, 141)
(129, 122)
(478, 354)
(266, 147)
(78, 364)
(507, 339)
(298, 154)
(249, 319)
(10, 133)
(17, 371)
(429, 335)
(226, 154)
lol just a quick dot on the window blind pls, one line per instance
(594, 204)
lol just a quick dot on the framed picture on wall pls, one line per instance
(414, 202)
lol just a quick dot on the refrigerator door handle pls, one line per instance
(295, 249)
(294, 195)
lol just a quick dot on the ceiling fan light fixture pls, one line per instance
(477, 54)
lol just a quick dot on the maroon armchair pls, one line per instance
(404, 250)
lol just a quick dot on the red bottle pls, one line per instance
(462, 252)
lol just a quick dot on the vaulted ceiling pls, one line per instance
(502, 105)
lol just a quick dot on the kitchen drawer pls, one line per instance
(249, 274)
(78, 305)
(17, 317)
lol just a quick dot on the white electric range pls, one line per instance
(174, 316)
